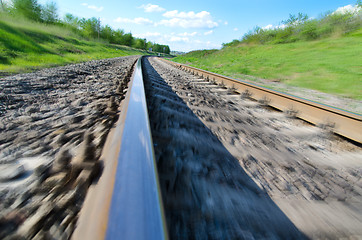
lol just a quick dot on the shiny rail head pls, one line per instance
(136, 210)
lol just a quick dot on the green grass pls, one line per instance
(26, 46)
(332, 65)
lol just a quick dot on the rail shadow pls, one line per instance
(206, 193)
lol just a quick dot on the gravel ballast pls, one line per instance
(233, 168)
(53, 124)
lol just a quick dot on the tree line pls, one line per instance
(90, 28)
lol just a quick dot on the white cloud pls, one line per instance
(267, 27)
(148, 34)
(179, 39)
(348, 9)
(281, 26)
(208, 32)
(97, 9)
(190, 19)
(226, 22)
(152, 8)
(270, 27)
(236, 29)
(187, 15)
(139, 20)
(185, 34)
(186, 23)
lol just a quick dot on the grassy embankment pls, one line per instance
(331, 65)
(26, 46)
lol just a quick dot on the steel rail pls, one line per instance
(344, 123)
(126, 202)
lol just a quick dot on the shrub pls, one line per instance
(301, 28)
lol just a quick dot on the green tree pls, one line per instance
(139, 43)
(89, 27)
(71, 21)
(161, 48)
(127, 39)
(27, 8)
(107, 33)
(167, 49)
(309, 30)
(117, 36)
(2, 6)
(149, 45)
(293, 19)
(49, 13)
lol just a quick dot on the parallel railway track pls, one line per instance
(228, 168)
(344, 123)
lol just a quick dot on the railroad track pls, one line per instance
(341, 122)
(228, 166)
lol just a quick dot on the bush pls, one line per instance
(309, 30)
(301, 28)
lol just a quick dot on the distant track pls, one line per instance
(341, 122)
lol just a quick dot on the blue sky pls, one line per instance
(189, 25)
